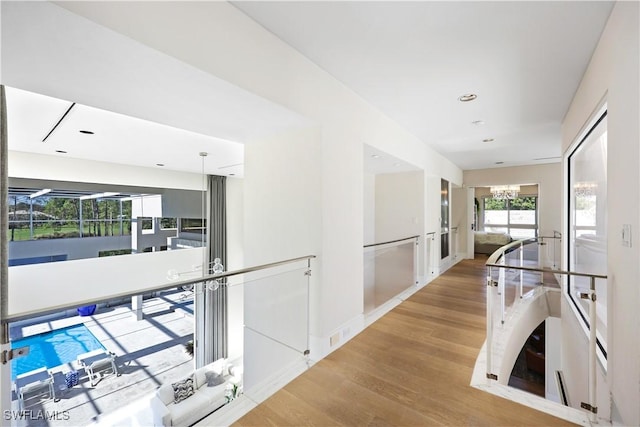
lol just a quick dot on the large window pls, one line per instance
(517, 217)
(54, 215)
(587, 243)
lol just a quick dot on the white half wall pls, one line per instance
(53, 285)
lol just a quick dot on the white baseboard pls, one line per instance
(261, 391)
(322, 346)
(236, 409)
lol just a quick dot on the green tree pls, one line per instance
(491, 204)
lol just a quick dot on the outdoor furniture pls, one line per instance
(97, 363)
(38, 382)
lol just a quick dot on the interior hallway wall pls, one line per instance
(399, 209)
(235, 261)
(612, 76)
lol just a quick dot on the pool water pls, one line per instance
(53, 348)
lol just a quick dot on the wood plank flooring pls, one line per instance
(410, 368)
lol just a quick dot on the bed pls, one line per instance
(487, 242)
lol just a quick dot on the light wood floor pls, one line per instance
(411, 367)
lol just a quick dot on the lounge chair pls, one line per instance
(38, 382)
(96, 363)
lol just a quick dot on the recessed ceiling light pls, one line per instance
(160, 164)
(232, 174)
(477, 122)
(86, 132)
(499, 163)
(467, 97)
(61, 151)
(375, 156)
(488, 140)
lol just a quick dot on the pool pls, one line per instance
(53, 348)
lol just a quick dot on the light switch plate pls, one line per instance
(626, 235)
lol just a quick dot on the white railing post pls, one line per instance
(502, 287)
(593, 411)
(489, 321)
(521, 265)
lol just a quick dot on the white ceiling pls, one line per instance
(117, 138)
(379, 162)
(412, 60)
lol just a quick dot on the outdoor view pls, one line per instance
(47, 217)
(516, 217)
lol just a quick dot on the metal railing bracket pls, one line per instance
(588, 407)
(14, 353)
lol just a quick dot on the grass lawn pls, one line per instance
(47, 230)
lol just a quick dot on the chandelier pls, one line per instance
(584, 189)
(505, 191)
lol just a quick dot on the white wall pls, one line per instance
(613, 75)
(547, 176)
(399, 203)
(39, 166)
(552, 356)
(59, 284)
(74, 248)
(369, 208)
(235, 261)
(399, 209)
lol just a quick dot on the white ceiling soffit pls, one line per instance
(116, 138)
(49, 50)
(412, 60)
(379, 162)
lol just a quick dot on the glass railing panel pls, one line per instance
(588, 258)
(276, 323)
(430, 254)
(389, 269)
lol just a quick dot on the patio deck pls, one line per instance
(148, 353)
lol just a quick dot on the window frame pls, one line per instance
(592, 125)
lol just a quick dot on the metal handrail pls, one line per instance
(170, 285)
(391, 241)
(547, 270)
(495, 256)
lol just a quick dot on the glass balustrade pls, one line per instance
(390, 268)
